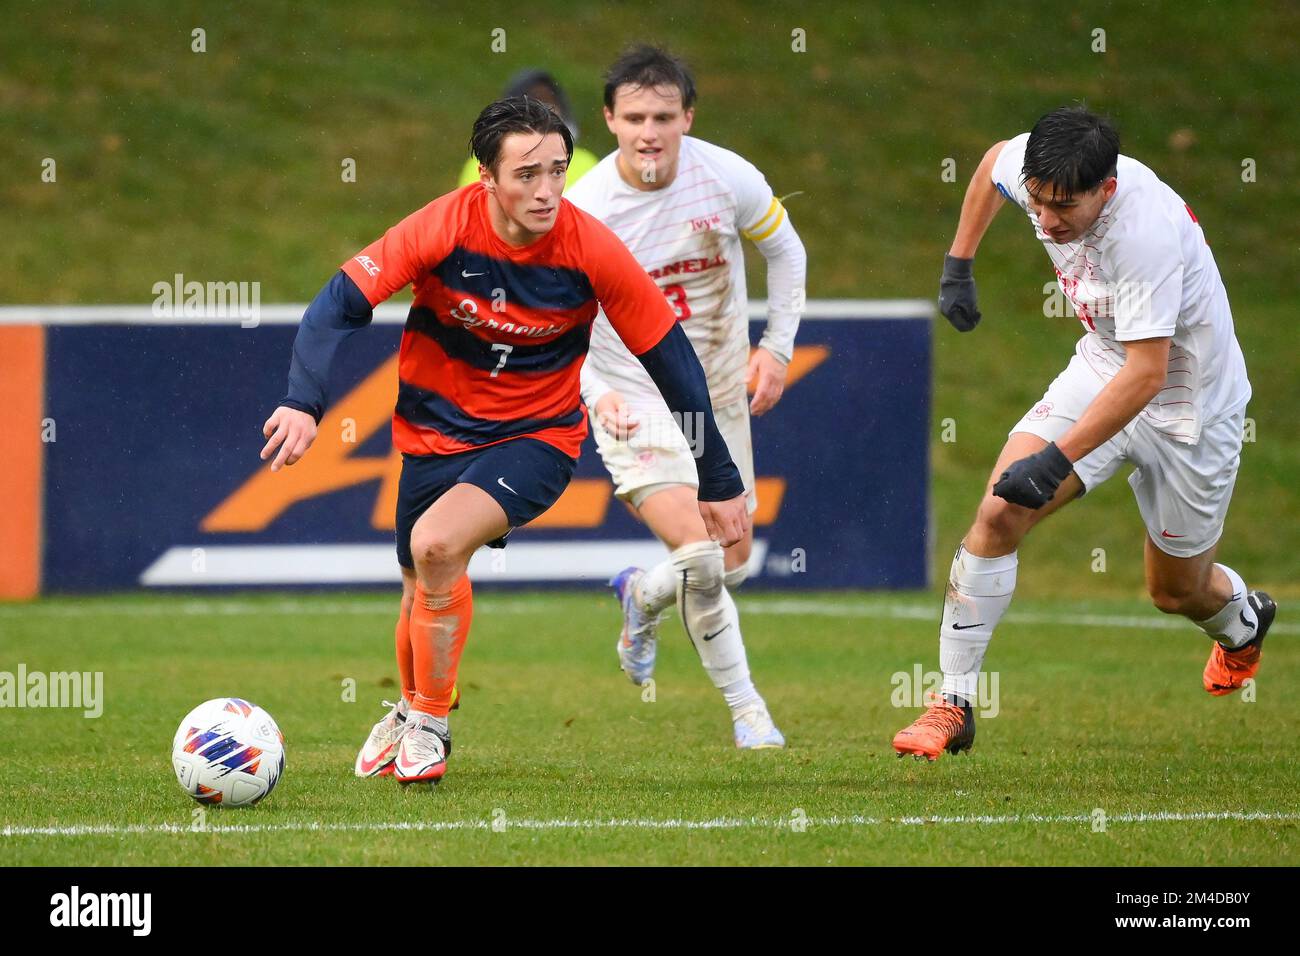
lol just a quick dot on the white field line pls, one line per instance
(616, 823)
(780, 607)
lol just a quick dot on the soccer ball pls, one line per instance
(228, 752)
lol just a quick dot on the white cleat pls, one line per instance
(380, 749)
(422, 752)
(756, 731)
(637, 643)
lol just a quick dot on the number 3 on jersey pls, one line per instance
(677, 299)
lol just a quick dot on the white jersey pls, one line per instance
(687, 236)
(1144, 271)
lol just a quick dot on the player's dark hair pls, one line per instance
(513, 114)
(1071, 150)
(642, 66)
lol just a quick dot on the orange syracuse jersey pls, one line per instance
(496, 336)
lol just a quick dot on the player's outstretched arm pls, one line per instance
(957, 300)
(338, 310)
(675, 369)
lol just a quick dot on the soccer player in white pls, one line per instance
(1157, 382)
(682, 205)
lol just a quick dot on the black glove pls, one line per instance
(957, 294)
(1031, 482)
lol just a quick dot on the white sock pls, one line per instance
(439, 723)
(741, 695)
(1236, 623)
(657, 589)
(736, 576)
(709, 614)
(979, 592)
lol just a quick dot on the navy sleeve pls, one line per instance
(338, 310)
(675, 369)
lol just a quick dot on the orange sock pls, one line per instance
(439, 626)
(405, 665)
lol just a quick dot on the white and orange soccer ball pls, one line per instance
(228, 752)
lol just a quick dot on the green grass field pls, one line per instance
(225, 165)
(554, 741)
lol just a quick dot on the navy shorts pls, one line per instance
(524, 476)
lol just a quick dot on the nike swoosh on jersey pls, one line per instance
(1166, 534)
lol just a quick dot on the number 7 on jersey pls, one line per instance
(505, 351)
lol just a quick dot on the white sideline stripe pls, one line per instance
(614, 823)
(790, 607)
(275, 564)
(394, 313)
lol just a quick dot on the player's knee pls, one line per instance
(1170, 599)
(432, 551)
(699, 566)
(1001, 520)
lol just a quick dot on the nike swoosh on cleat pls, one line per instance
(709, 637)
(965, 627)
(502, 483)
(369, 765)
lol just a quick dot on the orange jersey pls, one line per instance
(497, 334)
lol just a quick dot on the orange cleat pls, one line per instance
(1227, 670)
(944, 726)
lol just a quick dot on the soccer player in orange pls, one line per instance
(508, 278)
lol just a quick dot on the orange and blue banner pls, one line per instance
(130, 447)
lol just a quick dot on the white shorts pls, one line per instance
(657, 453)
(1182, 490)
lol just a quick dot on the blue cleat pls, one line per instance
(755, 730)
(637, 643)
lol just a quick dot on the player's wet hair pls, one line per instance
(513, 114)
(642, 66)
(1071, 150)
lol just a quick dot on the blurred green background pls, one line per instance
(226, 164)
